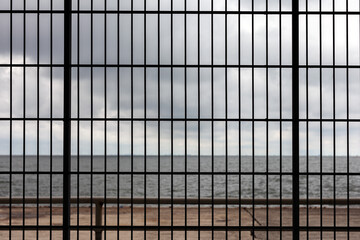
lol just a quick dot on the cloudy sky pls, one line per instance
(239, 81)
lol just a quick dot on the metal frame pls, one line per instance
(69, 119)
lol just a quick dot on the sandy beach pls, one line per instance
(246, 218)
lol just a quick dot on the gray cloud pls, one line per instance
(239, 82)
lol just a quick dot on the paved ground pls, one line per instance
(245, 214)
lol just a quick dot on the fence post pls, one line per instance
(67, 120)
(295, 117)
(98, 220)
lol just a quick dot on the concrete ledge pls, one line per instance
(275, 219)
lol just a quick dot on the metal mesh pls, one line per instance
(179, 119)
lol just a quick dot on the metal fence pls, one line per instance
(179, 119)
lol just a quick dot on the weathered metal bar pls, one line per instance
(98, 201)
(98, 219)
(67, 120)
(189, 228)
(295, 120)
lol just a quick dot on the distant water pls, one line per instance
(247, 165)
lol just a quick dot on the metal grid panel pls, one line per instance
(326, 46)
(204, 106)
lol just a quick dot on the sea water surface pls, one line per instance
(278, 181)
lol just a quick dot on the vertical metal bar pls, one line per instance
(185, 127)
(347, 122)
(172, 154)
(334, 120)
(226, 123)
(118, 122)
(159, 156)
(281, 116)
(132, 119)
(37, 116)
(295, 117)
(239, 112)
(78, 157)
(24, 116)
(198, 115)
(253, 116)
(321, 124)
(267, 115)
(51, 115)
(307, 114)
(212, 121)
(67, 120)
(105, 116)
(11, 122)
(172, 115)
(158, 115)
(78, 126)
(91, 113)
(145, 122)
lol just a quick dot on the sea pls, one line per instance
(126, 176)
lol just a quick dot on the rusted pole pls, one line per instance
(98, 219)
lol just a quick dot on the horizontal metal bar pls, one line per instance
(146, 65)
(176, 65)
(230, 12)
(185, 119)
(175, 12)
(152, 119)
(182, 228)
(180, 173)
(205, 201)
(146, 173)
(151, 12)
(32, 11)
(210, 12)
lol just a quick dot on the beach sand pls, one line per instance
(245, 214)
